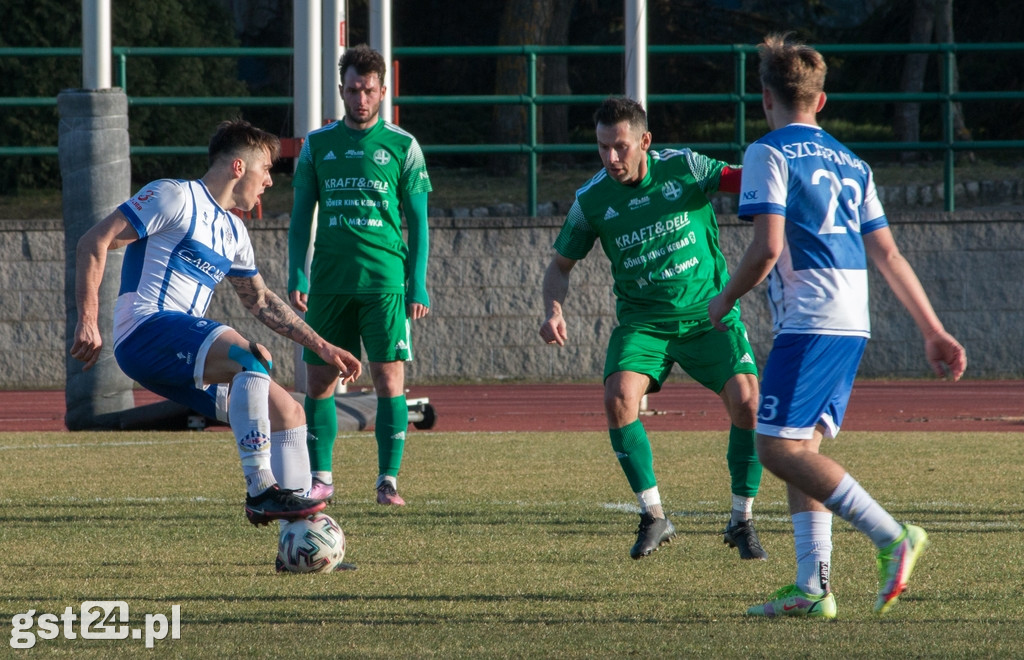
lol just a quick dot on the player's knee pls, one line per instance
(741, 400)
(618, 404)
(257, 358)
(743, 414)
(389, 380)
(287, 413)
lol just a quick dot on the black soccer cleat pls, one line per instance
(279, 504)
(651, 534)
(743, 536)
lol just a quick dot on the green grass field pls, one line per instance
(513, 545)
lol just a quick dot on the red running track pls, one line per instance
(974, 406)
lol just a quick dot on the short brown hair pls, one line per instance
(236, 137)
(365, 60)
(615, 109)
(793, 71)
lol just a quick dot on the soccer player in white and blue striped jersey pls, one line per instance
(181, 240)
(817, 219)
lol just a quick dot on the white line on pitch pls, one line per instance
(123, 443)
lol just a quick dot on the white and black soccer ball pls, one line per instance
(311, 545)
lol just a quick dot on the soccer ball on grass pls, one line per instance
(311, 545)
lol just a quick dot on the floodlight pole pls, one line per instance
(335, 40)
(308, 108)
(96, 44)
(380, 40)
(636, 50)
(306, 39)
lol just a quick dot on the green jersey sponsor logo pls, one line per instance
(356, 183)
(651, 232)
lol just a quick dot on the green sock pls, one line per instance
(633, 450)
(744, 467)
(390, 427)
(322, 424)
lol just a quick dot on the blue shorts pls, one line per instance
(807, 381)
(166, 355)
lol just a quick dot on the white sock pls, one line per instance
(323, 476)
(289, 458)
(742, 509)
(249, 416)
(381, 478)
(812, 536)
(650, 502)
(852, 503)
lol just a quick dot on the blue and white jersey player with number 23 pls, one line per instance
(817, 220)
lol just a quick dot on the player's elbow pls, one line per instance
(768, 253)
(88, 248)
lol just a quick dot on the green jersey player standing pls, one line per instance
(365, 283)
(651, 213)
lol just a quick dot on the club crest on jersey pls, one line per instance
(672, 191)
(381, 157)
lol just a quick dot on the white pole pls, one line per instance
(306, 39)
(96, 44)
(308, 108)
(334, 47)
(380, 40)
(636, 50)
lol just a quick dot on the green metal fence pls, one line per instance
(738, 98)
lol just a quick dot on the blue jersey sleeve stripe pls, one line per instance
(874, 225)
(243, 272)
(133, 219)
(748, 211)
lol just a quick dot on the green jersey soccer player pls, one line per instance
(365, 283)
(651, 213)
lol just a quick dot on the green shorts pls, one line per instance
(711, 357)
(378, 319)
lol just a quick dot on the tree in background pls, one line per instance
(41, 23)
(524, 22)
(930, 20)
(555, 117)
(178, 23)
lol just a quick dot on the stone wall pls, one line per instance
(485, 278)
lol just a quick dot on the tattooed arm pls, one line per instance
(274, 313)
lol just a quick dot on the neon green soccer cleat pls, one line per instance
(896, 563)
(791, 601)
